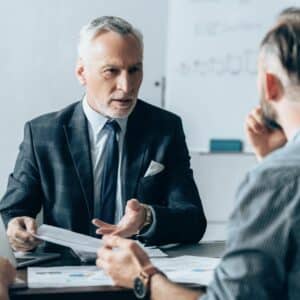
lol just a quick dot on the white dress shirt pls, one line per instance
(98, 138)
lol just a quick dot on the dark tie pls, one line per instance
(109, 175)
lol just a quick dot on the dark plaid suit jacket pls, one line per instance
(54, 170)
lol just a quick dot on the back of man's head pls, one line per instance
(280, 55)
(290, 14)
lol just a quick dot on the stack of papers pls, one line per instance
(80, 242)
(67, 277)
(183, 269)
(188, 269)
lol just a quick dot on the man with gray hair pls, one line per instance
(110, 159)
(263, 135)
(262, 258)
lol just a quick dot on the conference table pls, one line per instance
(209, 249)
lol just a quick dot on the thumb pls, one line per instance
(133, 204)
(30, 225)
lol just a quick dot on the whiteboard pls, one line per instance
(211, 64)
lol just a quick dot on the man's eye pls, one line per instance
(110, 71)
(134, 70)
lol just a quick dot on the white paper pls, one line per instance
(188, 269)
(80, 242)
(74, 276)
(68, 238)
(152, 251)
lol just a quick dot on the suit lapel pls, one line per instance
(79, 146)
(134, 152)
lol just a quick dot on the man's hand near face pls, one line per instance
(19, 231)
(262, 139)
(130, 224)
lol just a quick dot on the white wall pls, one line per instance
(38, 53)
(218, 177)
(211, 64)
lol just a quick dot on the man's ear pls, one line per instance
(273, 87)
(80, 72)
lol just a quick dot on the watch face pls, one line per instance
(139, 288)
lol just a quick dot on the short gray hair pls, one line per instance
(280, 50)
(103, 24)
(290, 14)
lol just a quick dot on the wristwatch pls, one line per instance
(141, 284)
(148, 215)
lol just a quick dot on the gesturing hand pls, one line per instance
(130, 224)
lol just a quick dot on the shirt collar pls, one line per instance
(295, 136)
(97, 120)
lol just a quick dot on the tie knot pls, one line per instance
(113, 125)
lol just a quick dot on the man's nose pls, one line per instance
(124, 82)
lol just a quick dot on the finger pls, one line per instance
(255, 126)
(123, 232)
(15, 224)
(22, 227)
(101, 264)
(25, 239)
(22, 243)
(23, 236)
(30, 225)
(114, 241)
(18, 246)
(105, 231)
(133, 204)
(125, 244)
(105, 253)
(100, 223)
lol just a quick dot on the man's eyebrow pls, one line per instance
(138, 64)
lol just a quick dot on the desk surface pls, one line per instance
(214, 249)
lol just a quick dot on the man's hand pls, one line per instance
(7, 275)
(19, 231)
(124, 264)
(7, 272)
(130, 224)
(262, 139)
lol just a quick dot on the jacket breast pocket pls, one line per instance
(151, 189)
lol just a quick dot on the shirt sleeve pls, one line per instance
(253, 266)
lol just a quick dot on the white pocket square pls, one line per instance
(154, 168)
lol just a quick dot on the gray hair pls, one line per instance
(280, 50)
(290, 14)
(103, 24)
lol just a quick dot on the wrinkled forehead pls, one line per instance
(112, 44)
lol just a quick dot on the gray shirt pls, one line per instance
(262, 259)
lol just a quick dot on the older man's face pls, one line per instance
(112, 73)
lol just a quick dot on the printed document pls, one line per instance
(80, 242)
(74, 276)
(188, 269)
